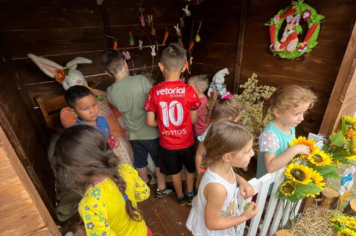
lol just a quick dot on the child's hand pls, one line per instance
(246, 190)
(301, 149)
(251, 211)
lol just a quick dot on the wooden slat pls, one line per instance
(342, 88)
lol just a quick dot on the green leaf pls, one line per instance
(337, 139)
(279, 195)
(309, 188)
(340, 154)
(332, 175)
(298, 29)
(323, 170)
(296, 196)
(344, 161)
(343, 126)
(337, 227)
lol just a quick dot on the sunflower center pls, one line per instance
(288, 188)
(298, 174)
(317, 158)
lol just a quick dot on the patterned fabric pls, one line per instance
(122, 147)
(103, 205)
(172, 101)
(272, 140)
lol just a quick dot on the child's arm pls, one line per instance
(274, 163)
(151, 119)
(246, 190)
(194, 115)
(199, 156)
(215, 195)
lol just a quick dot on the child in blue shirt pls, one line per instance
(84, 106)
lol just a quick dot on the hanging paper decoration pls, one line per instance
(157, 48)
(197, 37)
(180, 42)
(181, 22)
(153, 31)
(191, 45)
(187, 66)
(133, 66)
(140, 42)
(165, 36)
(131, 41)
(186, 10)
(142, 19)
(150, 23)
(153, 53)
(126, 55)
(289, 46)
(115, 44)
(191, 60)
(178, 32)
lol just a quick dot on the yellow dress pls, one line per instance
(103, 206)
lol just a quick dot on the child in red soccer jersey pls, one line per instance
(173, 107)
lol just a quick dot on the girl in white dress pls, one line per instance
(215, 209)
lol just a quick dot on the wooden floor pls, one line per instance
(164, 216)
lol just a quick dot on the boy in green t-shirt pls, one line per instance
(128, 94)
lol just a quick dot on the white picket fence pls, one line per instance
(276, 213)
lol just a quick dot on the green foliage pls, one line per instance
(337, 139)
(253, 97)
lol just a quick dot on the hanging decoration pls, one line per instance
(186, 10)
(140, 47)
(127, 55)
(197, 37)
(142, 18)
(150, 23)
(187, 66)
(165, 36)
(289, 46)
(196, 2)
(153, 52)
(191, 45)
(131, 41)
(178, 32)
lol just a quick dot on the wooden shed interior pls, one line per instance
(233, 35)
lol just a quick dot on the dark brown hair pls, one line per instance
(173, 57)
(224, 136)
(112, 61)
(82, 152)
(223, 108)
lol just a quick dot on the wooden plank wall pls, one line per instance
(22, 210)
(219, 35)
(318, 69)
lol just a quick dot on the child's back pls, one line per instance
(103, 200)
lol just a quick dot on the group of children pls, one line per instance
(203, 136)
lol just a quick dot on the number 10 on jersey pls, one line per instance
(172, 113)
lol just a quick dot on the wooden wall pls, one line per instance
(219, 38)
(22, 210)
(318, 69)
(61, 30)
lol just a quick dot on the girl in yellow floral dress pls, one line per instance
(83, 161)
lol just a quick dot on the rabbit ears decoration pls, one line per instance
(67, 76)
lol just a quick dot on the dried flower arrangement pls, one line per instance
(253, 96)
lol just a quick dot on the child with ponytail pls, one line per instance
(215, 208)
(219, 106)
(288, 105)
(83, 161)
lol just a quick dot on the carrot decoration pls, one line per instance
(153, 31)
(191, 46)
(290, 38)
(272, 33)
(311, 32)
(165, 37)
(115, 44)
(290, 11)
(187, 66)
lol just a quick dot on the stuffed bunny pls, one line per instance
(292, 23)
(217, 85)
(68, 75)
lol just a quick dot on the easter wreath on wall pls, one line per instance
(289, 46)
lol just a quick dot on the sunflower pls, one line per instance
(346, 232)
(317, 179)
(299, 173)
(353, 145)
(287, 188)
(308, 142)
(351, 158)
(351, 133)
(320, 158)
(336, 162)
(350, 120)
(351, 225)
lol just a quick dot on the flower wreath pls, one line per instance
(290, 47)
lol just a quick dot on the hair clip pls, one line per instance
(226, 95)
(126, 197)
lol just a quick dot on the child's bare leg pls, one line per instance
(189, 177)
(142, 172)
(80, 231)
(161, 179)
(177, 183)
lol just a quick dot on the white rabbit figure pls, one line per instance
(218, 85)
(68, 76)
